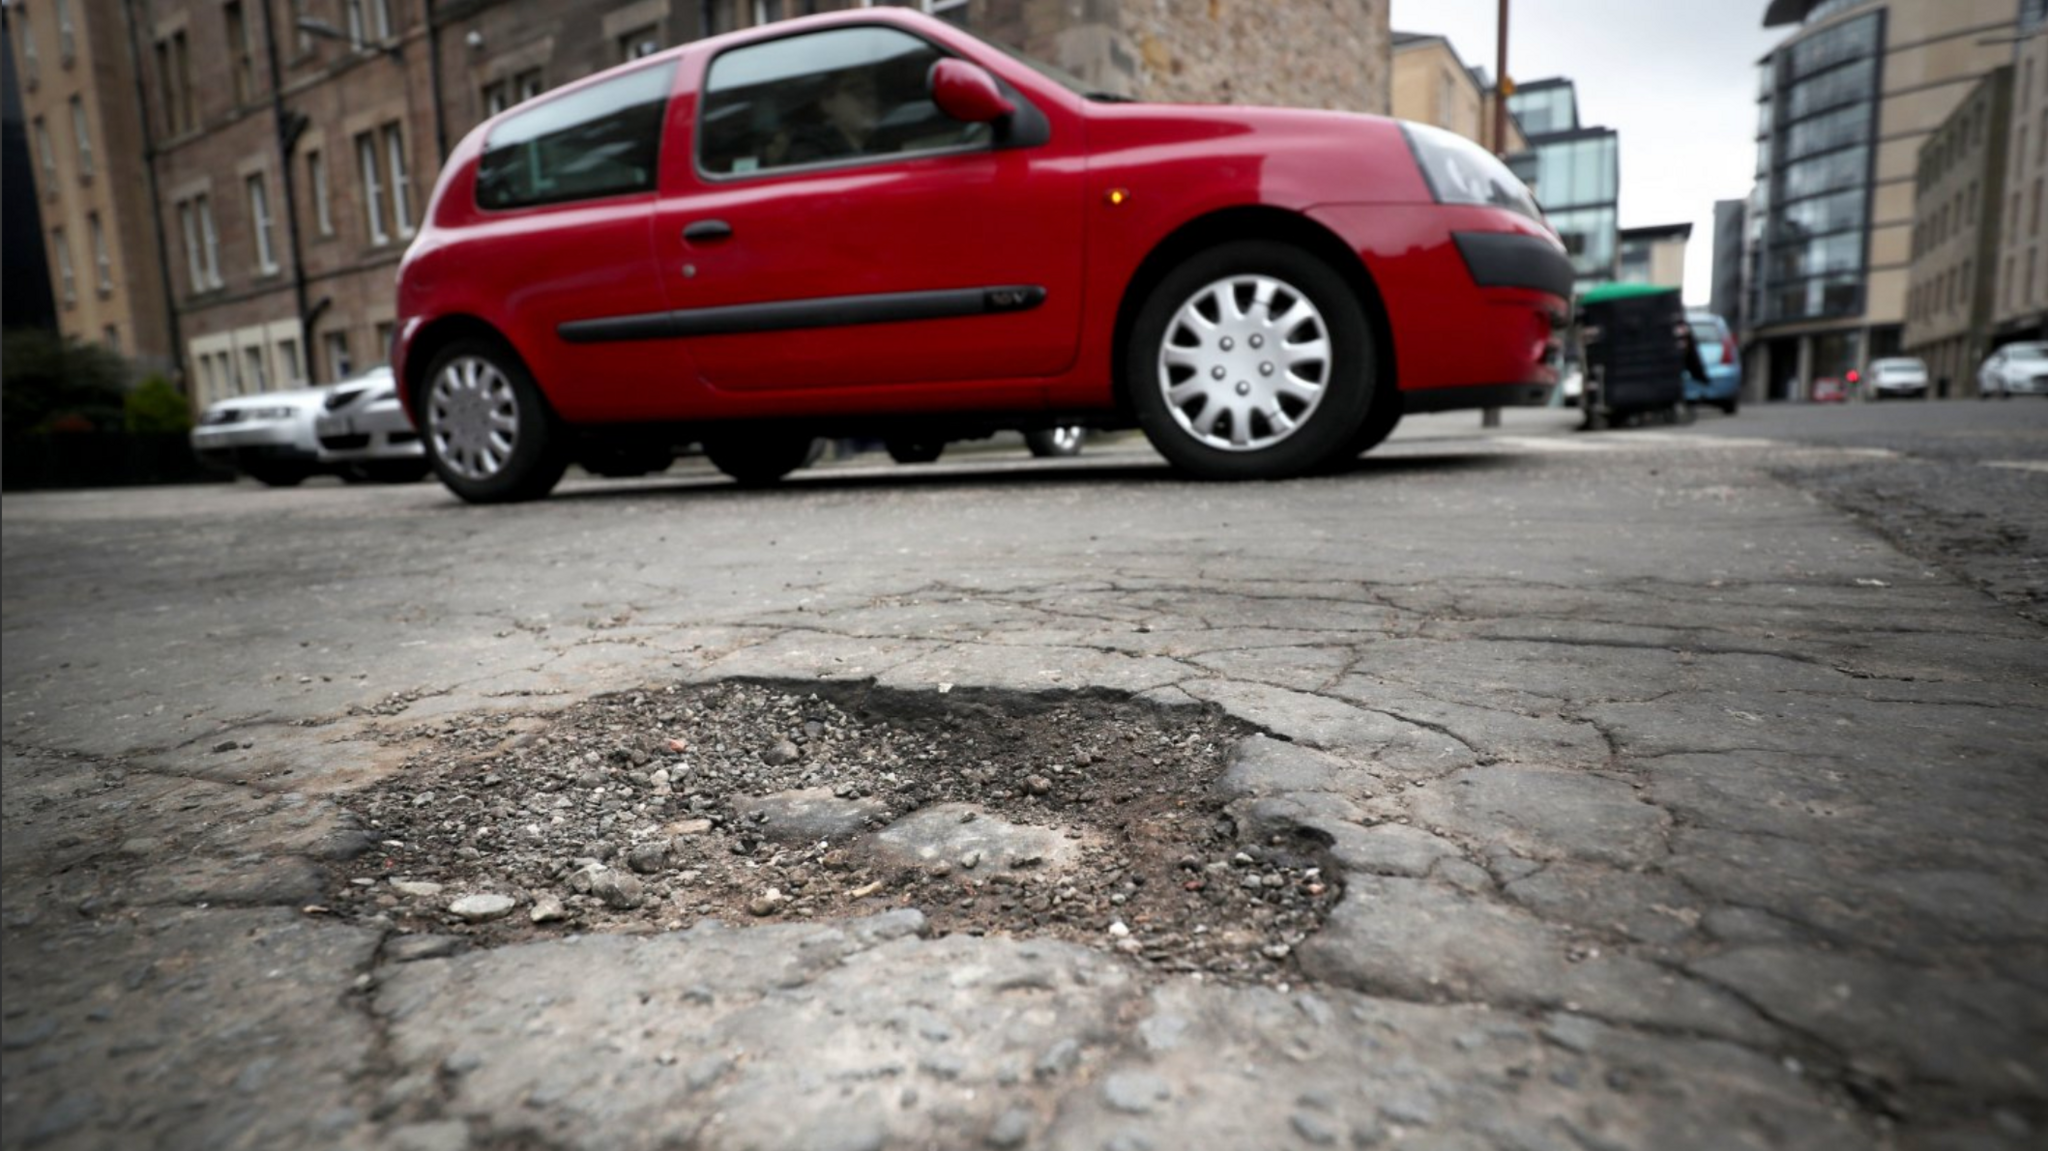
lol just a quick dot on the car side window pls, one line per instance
(836, 96)
(604, 140)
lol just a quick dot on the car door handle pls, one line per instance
(707, 231)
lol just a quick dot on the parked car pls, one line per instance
(268, 436)
(1723, 386)
(1829, 390)
(871, 224)
(363, 431)
(1897, 376)
(2015, 369)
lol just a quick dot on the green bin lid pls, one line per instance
(1601, 293)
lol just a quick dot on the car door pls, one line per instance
(836, 230)
(562, 243)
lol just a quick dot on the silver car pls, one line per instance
(268, 436)
(2015, 370)
(364, 433)
(1897, 376)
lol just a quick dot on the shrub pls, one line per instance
(156, 406)
(47, 383)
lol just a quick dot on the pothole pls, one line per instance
(1080, 818)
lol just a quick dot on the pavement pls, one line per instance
(1682, 793)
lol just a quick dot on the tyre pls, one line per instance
(1252, 360)
(1051, 443)
(1731, 405)
(488, 431)
(756, 457)
(279, 475)
(915, 451)
(1379, 423)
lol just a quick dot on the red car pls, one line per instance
(871, 224)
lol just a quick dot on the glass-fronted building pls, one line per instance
(1843, 105)
(1575, 173)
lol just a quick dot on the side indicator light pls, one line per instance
(1116, 196)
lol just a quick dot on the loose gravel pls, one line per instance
(1086, 819)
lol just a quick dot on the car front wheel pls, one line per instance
(1252, 360)
(488, 431)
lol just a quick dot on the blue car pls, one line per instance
(1723, 388)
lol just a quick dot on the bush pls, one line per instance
(48, 383)
(156, 406)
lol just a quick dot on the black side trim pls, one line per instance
(1476, 396)
(1512, 260)
(785, 315)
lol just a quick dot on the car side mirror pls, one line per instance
(966, 92)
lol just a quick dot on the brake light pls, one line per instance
(1727, 349)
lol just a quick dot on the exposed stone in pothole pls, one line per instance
(1083, 818)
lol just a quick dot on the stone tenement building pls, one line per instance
(259, 166)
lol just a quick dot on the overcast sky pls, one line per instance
(1676, 78)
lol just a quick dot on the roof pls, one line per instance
(1412, 39)
(1783, 12)
(1658, 232)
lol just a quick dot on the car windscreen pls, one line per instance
(2027, 351)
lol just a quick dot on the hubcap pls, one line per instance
(1068, 438)
(473, 417)
(1244, 363)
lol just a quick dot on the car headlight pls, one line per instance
(1459, 171)
(276, 413)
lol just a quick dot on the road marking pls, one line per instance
(2019, 465)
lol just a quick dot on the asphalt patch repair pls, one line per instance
(1077, 817)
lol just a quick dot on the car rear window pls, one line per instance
(604, 140)
(2027, 352)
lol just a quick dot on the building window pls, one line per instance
(338, 363)
(174, 83)
(293, 373)
(2034, 214)
(67, 33)
(31, 60)
(640, 42)
(323, 202)
(401, 179)
(511, 91)
(358, 23)
(102, 261)
(254, 377)
(46, 156)
(241, 53)
(84, 134)
(202, 242)
(386, 331)
(111, 337)
(67, 279)
(381, 9)
(260, 224)
(2031, 253)
(373, 186)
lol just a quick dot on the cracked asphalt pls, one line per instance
(1685, 787)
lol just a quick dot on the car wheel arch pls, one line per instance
(438, 334)
(1251, 222)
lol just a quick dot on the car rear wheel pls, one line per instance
(757, 458)
(1731, 405)
(1252, 360)
(1050, 443)
(487, 429)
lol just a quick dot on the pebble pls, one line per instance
(620, 890)
(1314, 1128)
(1038, 785)
(1012, 1128)
(1135, 1092)
(419, 888)
(648, 858)
(481, 908)
(784, 752)
(971, 860)
(548, 909)
(766, 904)
(1119, 930)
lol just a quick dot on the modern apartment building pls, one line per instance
(1730, 221)
(83, 116)
(1653, 255)
(2019, 309)
(261, 165)
(1575, 172)
(1844, 105)
(1433, 85)
(1958, 191)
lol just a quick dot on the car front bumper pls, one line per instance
(378, 431)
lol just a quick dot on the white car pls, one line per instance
(364, 433)
(268, 436)
(1897, 376)
(2015, 369)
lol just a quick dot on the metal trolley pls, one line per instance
(1637, 351)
